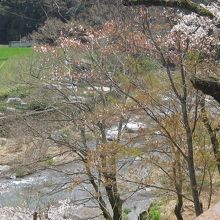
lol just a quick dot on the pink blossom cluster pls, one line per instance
(41, 48)
(45, 49)
(200, 32)
(191, 33)
(62, 211)
(67, 42)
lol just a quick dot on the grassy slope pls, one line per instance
(7, 52)
(14, 66)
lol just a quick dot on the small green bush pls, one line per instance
(3, 107)
(142, 65)
(20, 172)
(49, 161)
(154, 212)
(125, 213)
(5, 92)
(197, 56)
(37, 105)
(20, 91)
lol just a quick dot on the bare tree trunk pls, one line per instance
(177, 171)
(211, 187)
(116, 202)
(109, 173)
(189, 141)
(190, 161)
(101, 201)
(192, 175)
(212, 134)
(178, 207)
(35, 216)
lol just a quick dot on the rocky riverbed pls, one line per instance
(38, 176)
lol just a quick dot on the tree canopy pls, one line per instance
(19, 18)
(181, 4)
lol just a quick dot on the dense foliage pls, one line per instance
(20, 18)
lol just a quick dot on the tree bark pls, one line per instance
(208, 87)
(180, 4)
(189, 142)
(190, 161)
(178, 207)
(35, 214)
(212, 88)
(178, 178)
(212, 135)
(109, 173)
(101, 201)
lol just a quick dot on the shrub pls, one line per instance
(154, 211)
(196, 56)
(50, 162)
(20, 172)
(20, 91)
(125, 213)
(37, 105)
(5, 92)
(141, 65)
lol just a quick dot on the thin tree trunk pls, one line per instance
(35, 214)
(177, 171)
(178, 207)
(109, 172)
(111, 188)
(211, 188)
(189, 139)
(212, 134)
(190, 162)
(101, 201)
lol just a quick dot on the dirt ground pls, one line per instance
(27, 154)
(188, 209)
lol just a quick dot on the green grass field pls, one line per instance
(7, 52)
(12, 60)
(14, 68)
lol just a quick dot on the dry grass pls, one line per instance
(188, 209)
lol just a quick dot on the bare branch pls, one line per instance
(180, 4)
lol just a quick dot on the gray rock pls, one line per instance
(4, 168)
(9, 109)
(72, 216)
(3, 141)
(11, 176)
(77, 99)
(14, 100)
(23, 103)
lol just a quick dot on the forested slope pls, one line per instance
(19, 18)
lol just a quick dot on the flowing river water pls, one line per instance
(37, 190)
(45, 187)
